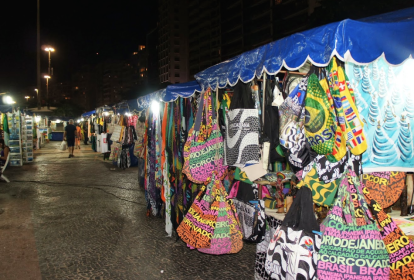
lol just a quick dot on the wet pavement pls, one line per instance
(75, 218)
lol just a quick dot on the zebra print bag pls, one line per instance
(242, 129)
(292, 252)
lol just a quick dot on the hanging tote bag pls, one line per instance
(197, 227)
(204, 148)
(339, 148)
(227, 236)
(348, 115)
(320, 123)
(291, 108)
(293, 250)
(292, 135)
(400, 248)
(323, 194)
(242, 129)
(252, 217)
(351, 243)
(272, 224)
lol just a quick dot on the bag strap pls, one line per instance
(204, 106)
(197, 122)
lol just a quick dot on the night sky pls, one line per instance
(76, 29)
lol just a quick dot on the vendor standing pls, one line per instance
(69, 136)
(5, 150)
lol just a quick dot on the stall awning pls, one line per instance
(184, 90)
(360, 41)
(144, 102)
(87, 114)
(6, 108)
(169, 94)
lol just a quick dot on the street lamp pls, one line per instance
(47, 77)
(49, 49)
(37, 96)
(27, 98)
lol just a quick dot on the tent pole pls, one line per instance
(264, 97)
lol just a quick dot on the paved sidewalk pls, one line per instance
(75, 218)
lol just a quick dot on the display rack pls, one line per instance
(15, 139)
(27, 138)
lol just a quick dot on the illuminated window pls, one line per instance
(76, 87)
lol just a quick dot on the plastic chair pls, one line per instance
(4, 168)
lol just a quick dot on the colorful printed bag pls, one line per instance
(204, 148)
(293, 250)
(320, 125)
(400, 248)
(227, 236)
(351, 243)
(348, 115)
(322, 194)
(339, 148)
(197, 227)
(292, 135)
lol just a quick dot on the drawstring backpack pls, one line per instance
(204, 139)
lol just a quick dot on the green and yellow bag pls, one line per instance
(322, 194)
(339, 148)
(320, 124)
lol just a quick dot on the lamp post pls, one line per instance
(37, 95)
(49, 49)
(39, 103)
(47, 77)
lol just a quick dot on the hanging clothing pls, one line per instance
(104, 144)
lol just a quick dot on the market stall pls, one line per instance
(290, 125)
(343, 112)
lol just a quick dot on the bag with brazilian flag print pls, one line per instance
(339, 148)
(347, 112)
(320, 125)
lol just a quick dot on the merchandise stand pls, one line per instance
(27, 138)
(15, 139)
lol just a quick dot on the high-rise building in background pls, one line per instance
(105, 83)
(190, 36)
(173, 41)
(219, 30)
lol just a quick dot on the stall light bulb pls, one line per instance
(8, 100)
(37, 118)
(82, 119)
(155, 107)
(106, 113)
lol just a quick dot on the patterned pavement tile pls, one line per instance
(89, 222)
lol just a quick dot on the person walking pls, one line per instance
(78, 136)
(85, 132)
(69, 136)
